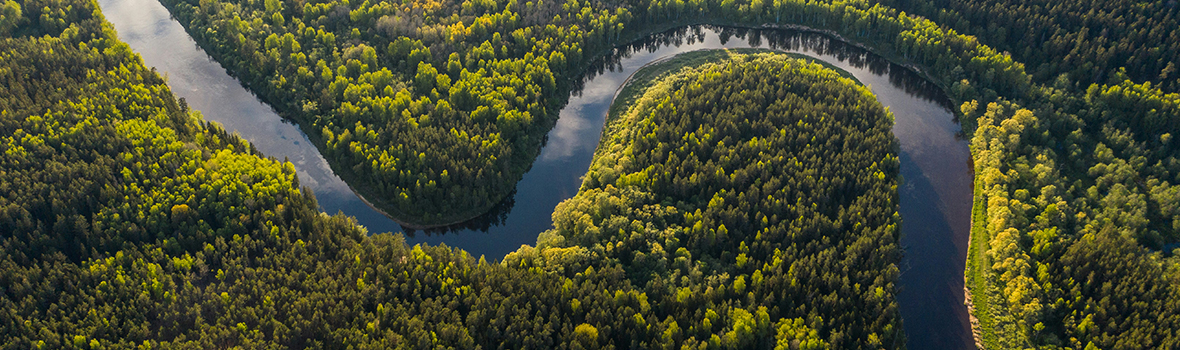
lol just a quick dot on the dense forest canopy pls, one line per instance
(1073, 167)
(128, 222)
(438, 107)
(1089, 41)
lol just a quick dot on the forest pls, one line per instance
(127, 221)
(1087, 41)
(439, 107)
(1074, 160)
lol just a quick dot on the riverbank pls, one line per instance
(975, 278)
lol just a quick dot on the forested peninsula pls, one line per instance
(766, 178)
(129, 222)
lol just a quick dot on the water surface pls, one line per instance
(935, 192)
(146, 26)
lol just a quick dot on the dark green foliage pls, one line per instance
(1103, 265)
(10, 16)
(1088, 40)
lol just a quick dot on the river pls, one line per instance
(935, 167)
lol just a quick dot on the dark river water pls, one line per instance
(935, 191)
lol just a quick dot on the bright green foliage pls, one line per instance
(793, 334)
(762, 187)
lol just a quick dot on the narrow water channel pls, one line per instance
(935, 192)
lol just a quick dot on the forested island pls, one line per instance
(127, 219)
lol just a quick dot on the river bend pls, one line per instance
(935, 167)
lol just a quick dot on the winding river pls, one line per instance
(935, 166)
